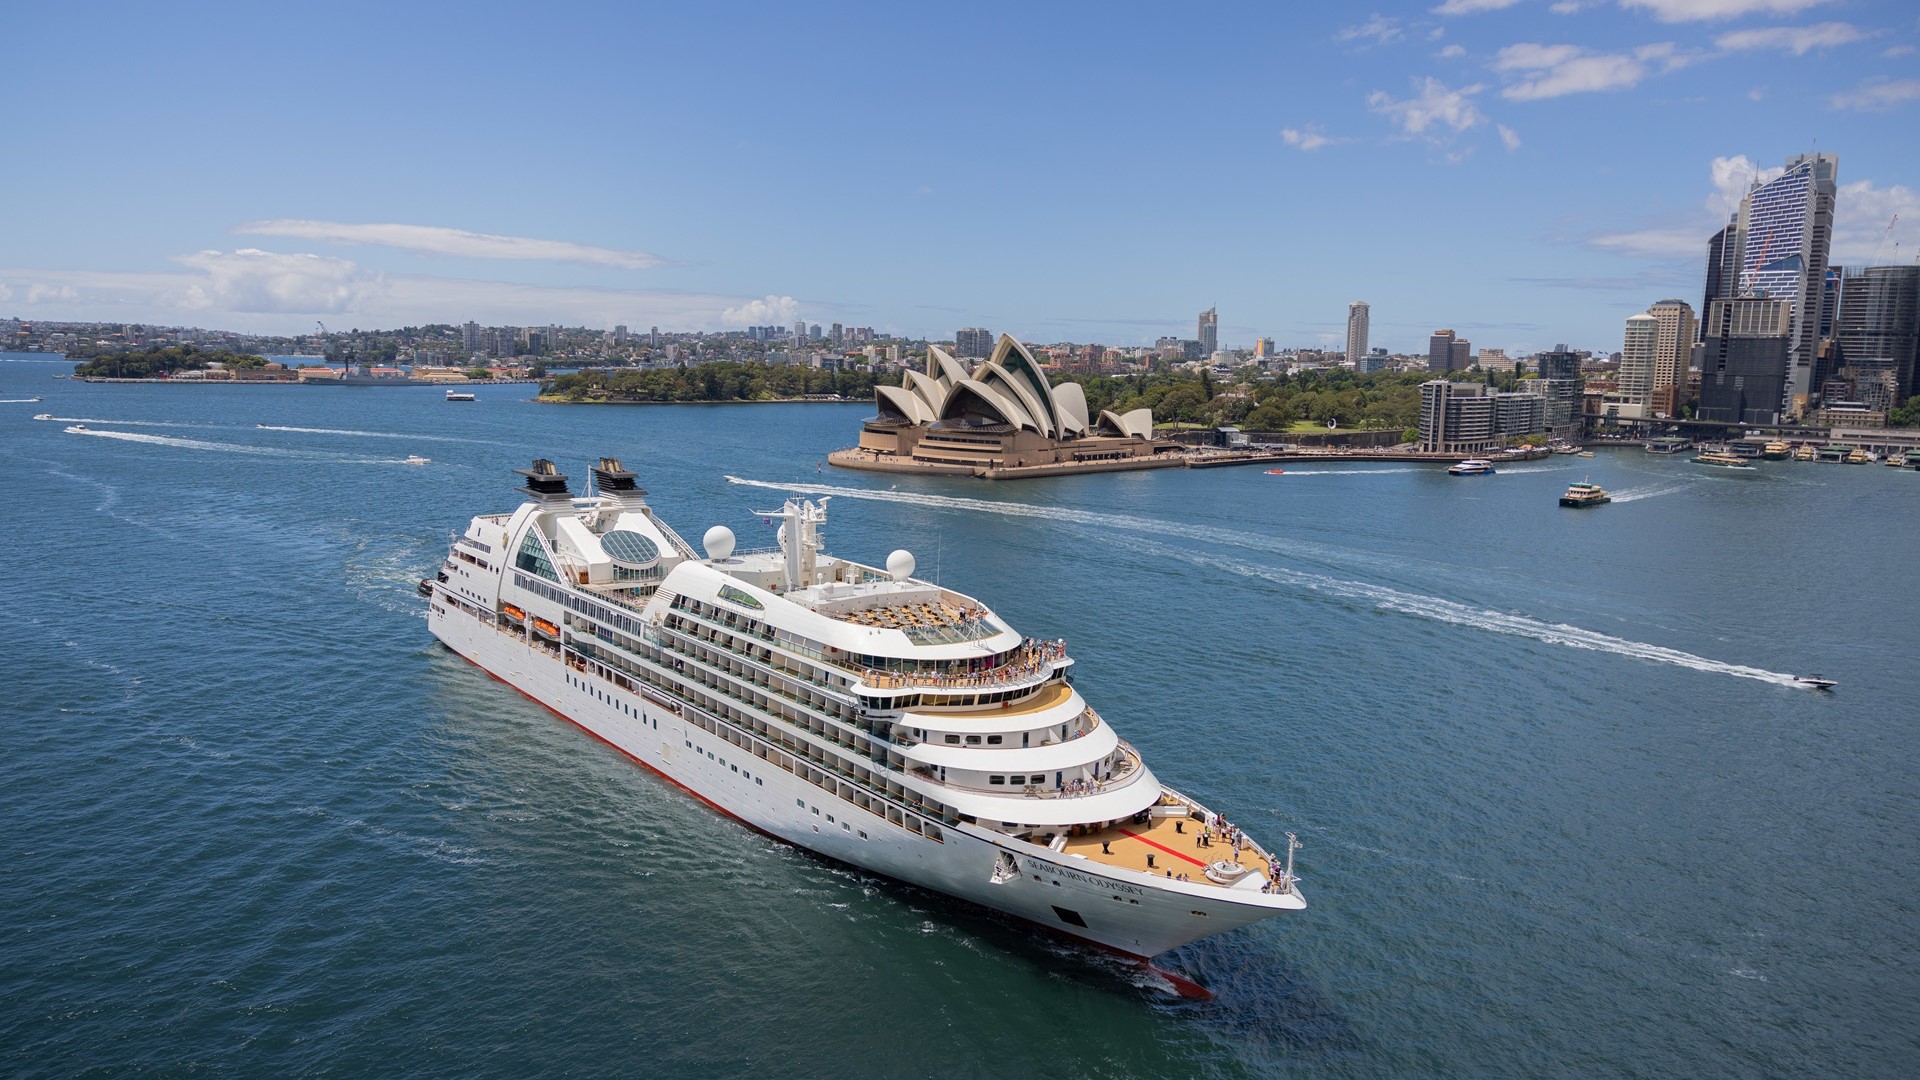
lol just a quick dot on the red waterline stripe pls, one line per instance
(1164, 848)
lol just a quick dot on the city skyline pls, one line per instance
(387, 179)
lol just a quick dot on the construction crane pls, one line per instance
(322, 326)
(1884, 237)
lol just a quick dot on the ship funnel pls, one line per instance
(613, 479)
(544, 481)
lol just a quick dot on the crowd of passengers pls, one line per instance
(1029, 659)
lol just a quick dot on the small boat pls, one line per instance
(461, 395)
(1893, 460)
(1585, 494)
(43, 416)
(1276, 472)
(76, 429)
(1471, 467)
(416, 459)
(1586, 453)
(1816, 680)
(1722, 460)
(512, 612)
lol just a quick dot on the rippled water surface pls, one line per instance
(1563, 811)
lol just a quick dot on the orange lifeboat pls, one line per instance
(512, 612)
(546, 629)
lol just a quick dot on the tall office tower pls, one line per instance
(619, 335)
(1356, 332)
(836, 331)
(973, 343)
(1440, 351)
(1263, 348)
(1209, 335)
(1745, 370)
(800, 329)
(470, 337)
(1785, 229)
(1672, 353)
(1878, 326)
(1723, 267)
(1459, 355)
(1636, 364)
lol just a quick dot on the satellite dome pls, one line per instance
(719, 543)
(900, 564)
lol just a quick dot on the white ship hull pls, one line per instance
(1122, 910)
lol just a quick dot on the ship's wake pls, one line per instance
(1654, 492)
(233, 448)
(358, 434)
(1383, 597)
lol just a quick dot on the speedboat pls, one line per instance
(1816, 680)
(416, 459)
(1276, 472)
(43, 416)
(1585, 494)
(76, 429)
(1471, 467)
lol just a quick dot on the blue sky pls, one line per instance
(1526, 172)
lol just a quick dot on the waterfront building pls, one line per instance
(1357, 320)
(1472, 418)
(1002, 414)
(1744, 371)
(470, 339)
(972, 343)
(1878, 324)
(1440, 351)
(1785, 228)
(1672, 354)
(1209, 332)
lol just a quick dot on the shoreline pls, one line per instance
(545, 399)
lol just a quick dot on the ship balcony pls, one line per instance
(1029, 666)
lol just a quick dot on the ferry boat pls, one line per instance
(1669, 445)
(1585, 494)
(1471, 467)
(855, 711)
(1859, 456)
(1777, 450)
(1721, 460)
(461, 395)
(1806, 452)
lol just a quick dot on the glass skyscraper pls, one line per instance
(1785, 230)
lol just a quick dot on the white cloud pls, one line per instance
(1756, 93)
(1550, 71)
(1436, 106)
(40, 293)
(1878, 94)
(1860, 217)
(771, 311)
(1707, 10)
(1570, 7)
(1452, 51)
(1897, 50)
(264, 282)
(1307, 138)
(1472, 7)
(1658, 243)
(1379, 28)
(5, 293)
(1509, 137)
(1732, 176)
(435, 240)
(1798, 40)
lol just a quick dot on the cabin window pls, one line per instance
(993, 740)
(996, 780)
(953, 740)
(1017, 781)
(973, 740)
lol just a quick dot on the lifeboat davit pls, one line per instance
(512, 612)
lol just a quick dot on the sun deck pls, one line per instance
(1174, 846)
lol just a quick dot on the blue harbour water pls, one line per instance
(1562, 812)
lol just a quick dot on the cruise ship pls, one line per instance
(856, 711)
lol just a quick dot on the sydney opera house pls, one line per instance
(1000, 419)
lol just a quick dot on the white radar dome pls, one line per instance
(718, 542)
(900, 564)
